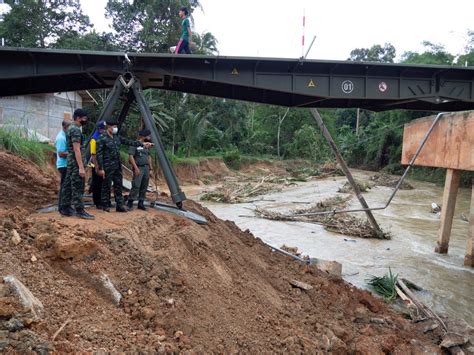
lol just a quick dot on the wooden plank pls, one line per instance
(469, 257)
(451, 187)
(450, 145)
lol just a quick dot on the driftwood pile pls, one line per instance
(339, 223)
(235, 192)
(384, 179)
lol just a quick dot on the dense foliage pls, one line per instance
(196, 125)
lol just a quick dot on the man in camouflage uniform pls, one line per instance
(110, 166)
(73, 186)
(140, 160)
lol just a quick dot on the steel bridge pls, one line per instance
(285, 82)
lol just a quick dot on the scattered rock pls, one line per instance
(170, 301)
(27, 299)
(377, 320)
(148, 313)
(453, 339)
(34, 258)
(331, 267)
(109, 286)
(70, 247)
(178, 334)
(431, 327)
(302, 285)
(14, 324)
(3, 344)
(16, 239)
(456, 350)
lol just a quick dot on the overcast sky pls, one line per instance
(273, 28)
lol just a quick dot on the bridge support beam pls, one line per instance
(134, 92)
(345, 169)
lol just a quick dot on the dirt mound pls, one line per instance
(180, 286)
(203, 171)
(22, 183)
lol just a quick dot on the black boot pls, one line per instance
(66, 211)
(84, 215)
(121, 208)
(130, 204)
(141, 206)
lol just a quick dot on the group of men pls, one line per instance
(105, 164)
(105, 157)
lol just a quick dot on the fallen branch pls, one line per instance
(60, 329)
(424, 309)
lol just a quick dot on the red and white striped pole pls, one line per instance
(302, 38)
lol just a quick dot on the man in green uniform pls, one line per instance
(139, 158)
(73, 186)
(186, 39)
(109, 164)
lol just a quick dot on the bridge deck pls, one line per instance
(286, 82)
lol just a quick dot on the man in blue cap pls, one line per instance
(96, 185)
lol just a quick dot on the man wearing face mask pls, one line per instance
(109, 165)
(73, 186)
(139, 158)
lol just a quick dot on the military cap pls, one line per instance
(111, 122)
(144, 133)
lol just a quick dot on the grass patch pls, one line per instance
(14, 141)
(385, 286)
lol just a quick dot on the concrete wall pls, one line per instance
(42, 113)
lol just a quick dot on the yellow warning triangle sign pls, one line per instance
(311, 84)
(235, 71)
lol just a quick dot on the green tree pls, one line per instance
(147, 25)
(204, 43)
(33, 23)
(467, 59)
(433, 54)
(376, 53)
(89, 41)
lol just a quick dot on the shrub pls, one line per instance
(232, 159)
(14, 141)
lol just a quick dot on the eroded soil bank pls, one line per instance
(182, 286)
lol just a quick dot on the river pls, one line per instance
(448, 285)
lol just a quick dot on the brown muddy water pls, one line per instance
(448, 285)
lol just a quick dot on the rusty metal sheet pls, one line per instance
(450, 145)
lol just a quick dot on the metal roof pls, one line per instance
(278, 81)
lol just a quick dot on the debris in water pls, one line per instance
(339, 223)
(435, 208)
(362, 185)
(384, 179)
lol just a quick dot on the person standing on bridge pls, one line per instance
(140, 159)
(186, 39)
(73, 187)
(110, 166)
